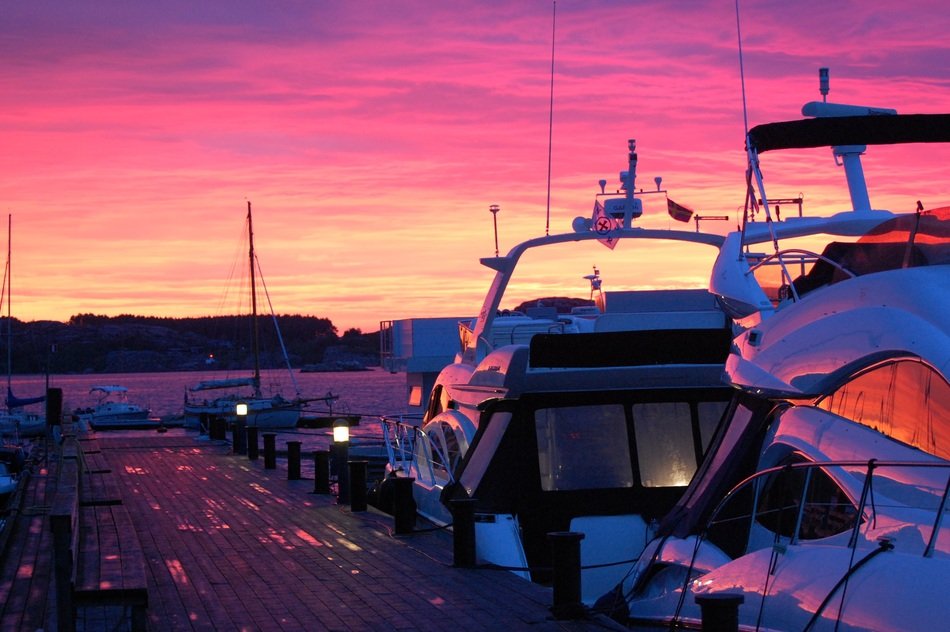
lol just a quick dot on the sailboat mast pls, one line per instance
(9, 281)
(256, 334)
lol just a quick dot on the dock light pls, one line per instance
(341, 431)
(241, 409)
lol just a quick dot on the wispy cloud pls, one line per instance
(371, 137)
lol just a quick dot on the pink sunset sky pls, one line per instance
(371, 137)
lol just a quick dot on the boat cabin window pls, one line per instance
(905, 400)
(590, 446)
(583, 447)
(665, 443)
(441, 451)
(415, 395)
(827, 511)
(710, 414)
(438, 402)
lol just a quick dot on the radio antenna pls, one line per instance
(547, 221)
(745, 108)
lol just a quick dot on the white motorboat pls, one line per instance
(593, 418)
(821, 502)
(112, 409)
(264, 410)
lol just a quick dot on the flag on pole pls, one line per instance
(604, 225)
(677, 211)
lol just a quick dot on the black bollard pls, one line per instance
(566, 560)
(293, 460)
(404, 506)
(239, 436)
(204, 425)
(218, 429)
(270, 451)
(253, 447)
(720, 611)
(321, 472)
(54, 407)
(358, 485)
(463, 531)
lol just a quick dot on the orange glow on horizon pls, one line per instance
(372, 140)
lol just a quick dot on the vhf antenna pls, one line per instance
(547, 221)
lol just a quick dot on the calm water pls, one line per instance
(367, 393)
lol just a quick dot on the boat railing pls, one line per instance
(401, 437)
(808, 498)
(810, 506)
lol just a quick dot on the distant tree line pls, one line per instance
(92, 343)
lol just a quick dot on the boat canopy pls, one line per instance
(109, 388)
(851, 130)
(233, 382)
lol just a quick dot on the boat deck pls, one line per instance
(231, 545)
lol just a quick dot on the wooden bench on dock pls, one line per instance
(97, 557)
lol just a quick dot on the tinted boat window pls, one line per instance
(827, 510)
(905, 400)
(583, 447)
(710, 414)
(665, 447)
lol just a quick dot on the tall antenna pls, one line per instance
(745, 109)
(547, 221)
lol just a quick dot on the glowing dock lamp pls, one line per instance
(241, 410)
(340, 455)
(341, 431)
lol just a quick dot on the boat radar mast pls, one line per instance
(848, 156)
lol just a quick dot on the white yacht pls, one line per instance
(592, 417)
(112, 409)
(822, 499)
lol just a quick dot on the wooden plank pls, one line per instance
(99, 489)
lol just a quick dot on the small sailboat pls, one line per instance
(263, 410)
(14, 421)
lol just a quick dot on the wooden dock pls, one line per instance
(230, 545)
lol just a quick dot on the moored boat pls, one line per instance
(264, 410)
(822, 502)
(113, 410)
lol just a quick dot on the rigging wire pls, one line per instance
(273, 316)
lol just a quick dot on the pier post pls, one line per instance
(239, 437)
(293, 460)
(321, 472)
(204, 426)
(404, 506)
(463, 532)
(270, 451)
(358, 485)
(566, 560)
(218, 429)
(54, 407)
(720, 611)
(253, 446)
